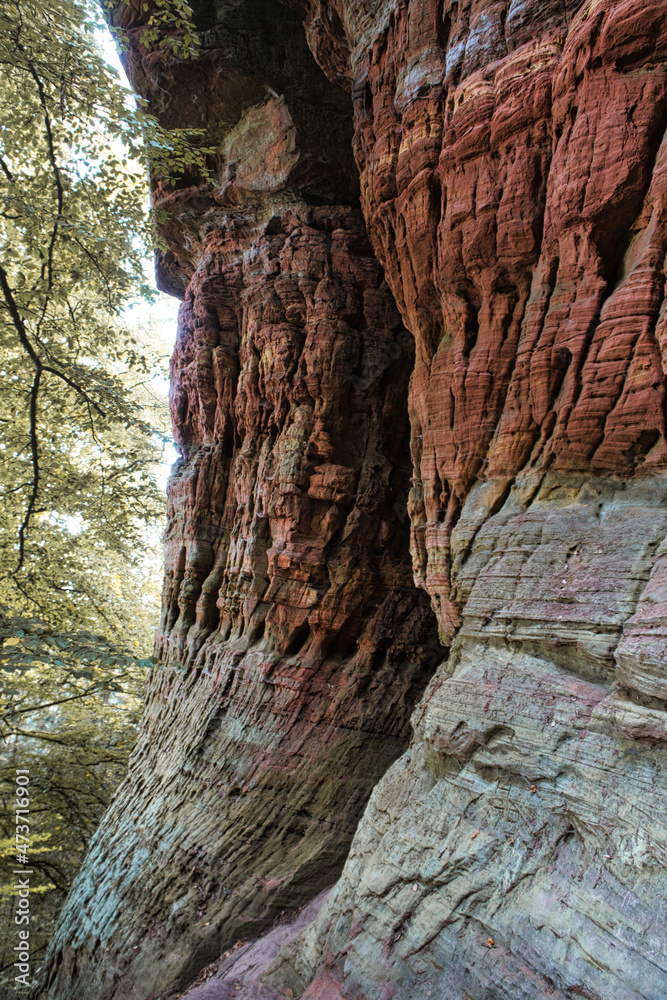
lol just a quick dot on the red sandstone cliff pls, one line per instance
(513, 181)
(293, 643)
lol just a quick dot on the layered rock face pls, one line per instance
(293, 643)
(513, 171)
(513, 177)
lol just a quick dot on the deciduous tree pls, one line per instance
(80, 431)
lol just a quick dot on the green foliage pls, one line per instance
(68, 712)
(169, 23)
(80, 431)
(77, 447)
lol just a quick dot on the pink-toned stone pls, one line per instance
(293, 643)
(512, 165)
(512, 172)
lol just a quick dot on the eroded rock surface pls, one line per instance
(512, 161)
(513, 171)
(293, 643)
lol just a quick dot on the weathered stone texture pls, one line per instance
(530, 809)
(513, 175)
(293, 643)
(512, 163)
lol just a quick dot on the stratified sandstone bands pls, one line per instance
(513, 184)
(518, 849)
(513, 175)
(293, 643)
(513, 172)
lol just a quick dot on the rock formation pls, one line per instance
(513, 170)
(293, 644)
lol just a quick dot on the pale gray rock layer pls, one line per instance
(519, 848)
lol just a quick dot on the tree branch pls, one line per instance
(5, 169)
(34, 452)
(40, 368)
(17, 319)
(60, 193)
(74, 385)
(47, 704)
